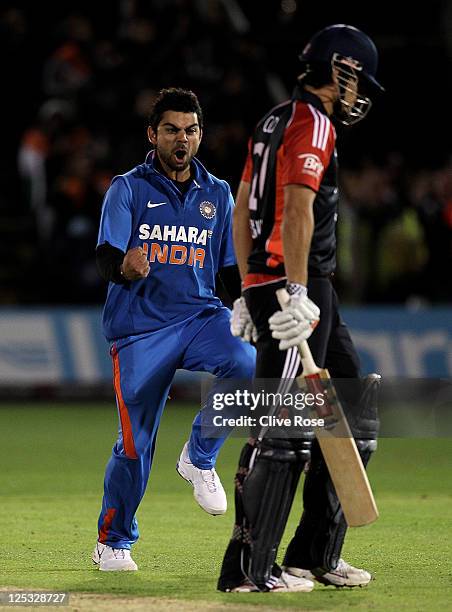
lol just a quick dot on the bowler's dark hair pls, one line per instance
(174, 99)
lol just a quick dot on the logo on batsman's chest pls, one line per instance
(207, 209)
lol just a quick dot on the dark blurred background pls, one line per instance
(78, 81)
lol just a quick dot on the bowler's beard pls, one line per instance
(166, 158)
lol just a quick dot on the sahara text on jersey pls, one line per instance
(176, 254)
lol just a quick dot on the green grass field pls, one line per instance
(52, 459)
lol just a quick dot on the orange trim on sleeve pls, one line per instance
(126, 427)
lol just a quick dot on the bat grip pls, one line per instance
(309, 365)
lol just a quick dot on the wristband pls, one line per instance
(296, 290)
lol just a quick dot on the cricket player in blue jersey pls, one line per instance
(165, 233)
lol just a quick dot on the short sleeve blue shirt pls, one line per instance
(186, 238)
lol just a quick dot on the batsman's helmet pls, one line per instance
(349, 56)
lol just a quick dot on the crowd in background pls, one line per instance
(89, 86)
(395, 234)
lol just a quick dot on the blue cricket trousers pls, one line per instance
(143, 369)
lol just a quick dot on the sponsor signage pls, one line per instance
(57, 346)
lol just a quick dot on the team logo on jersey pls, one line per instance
(207, 209)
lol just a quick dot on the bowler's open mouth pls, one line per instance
(180, 154)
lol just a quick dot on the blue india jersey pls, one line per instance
(186, 238)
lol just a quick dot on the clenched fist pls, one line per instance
(135, 265)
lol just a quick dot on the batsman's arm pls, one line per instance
(297, 229)
(241, 228)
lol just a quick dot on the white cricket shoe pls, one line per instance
(113, 559)
(207, 488)
(287, 583)
(344, 575)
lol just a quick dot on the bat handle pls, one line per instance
(309, 365)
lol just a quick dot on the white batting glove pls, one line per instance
(241, 324)
(296, 322)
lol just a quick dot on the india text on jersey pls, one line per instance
(174, 254)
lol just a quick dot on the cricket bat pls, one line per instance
(336, 440)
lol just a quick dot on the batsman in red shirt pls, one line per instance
(285, 237)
